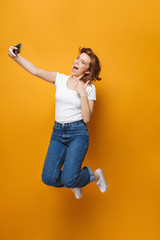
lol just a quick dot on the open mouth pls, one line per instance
(75, 68)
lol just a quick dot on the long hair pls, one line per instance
(94, 66)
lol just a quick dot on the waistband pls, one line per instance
(58, 124)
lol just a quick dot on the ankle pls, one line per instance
(97, 177)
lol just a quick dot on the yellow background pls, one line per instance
(124, 128)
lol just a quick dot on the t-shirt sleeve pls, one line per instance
(58, 77)
(91, 94)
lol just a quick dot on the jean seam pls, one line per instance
(58, 163)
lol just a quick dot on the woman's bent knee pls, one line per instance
(69, 182)
(49, 181)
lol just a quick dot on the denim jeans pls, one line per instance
(67, 149)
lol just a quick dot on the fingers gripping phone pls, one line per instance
(16, 51)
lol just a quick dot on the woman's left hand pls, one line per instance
(81, 87)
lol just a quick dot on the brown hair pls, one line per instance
(94, 66)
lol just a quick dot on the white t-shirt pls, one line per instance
(68, 102)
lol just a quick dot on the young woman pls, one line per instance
(75, 96)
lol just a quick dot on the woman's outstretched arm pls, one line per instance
(31, 68)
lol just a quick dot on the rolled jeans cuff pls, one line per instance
(92, 176)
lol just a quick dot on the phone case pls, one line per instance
(16, 51)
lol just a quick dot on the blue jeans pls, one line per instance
(68, 146)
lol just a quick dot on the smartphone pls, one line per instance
(16, 51)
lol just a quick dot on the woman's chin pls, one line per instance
(73, 74)
(76, 74)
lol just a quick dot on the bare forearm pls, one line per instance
(86, 112)
(27, 65)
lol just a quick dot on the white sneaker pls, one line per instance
(102, 184)
(77, 192)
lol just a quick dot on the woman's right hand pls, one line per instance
(11, 53)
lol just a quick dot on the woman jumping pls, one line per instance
(75, 96)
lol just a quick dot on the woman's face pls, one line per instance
(81, 65)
